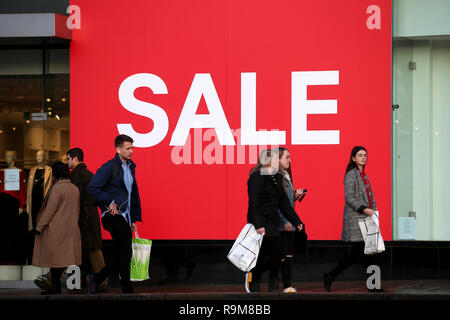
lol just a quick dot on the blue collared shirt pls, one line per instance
(128, 179)
(125, 208)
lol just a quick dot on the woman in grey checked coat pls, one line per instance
(359, 203)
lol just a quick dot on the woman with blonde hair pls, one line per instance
(266, 196)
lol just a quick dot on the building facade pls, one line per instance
(35, 124)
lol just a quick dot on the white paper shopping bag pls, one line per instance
(370, 231)
(245, 250)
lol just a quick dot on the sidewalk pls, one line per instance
(341, 290)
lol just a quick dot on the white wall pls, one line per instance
(422, 138)
(440, 91)
(421, 182)
(401, 133)
(417, 18)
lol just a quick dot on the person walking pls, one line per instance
(58, 241)
(359, 203)
(267, 196)
(115, 190)
(287, 230)
(89, 222)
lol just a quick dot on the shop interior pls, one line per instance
(34, 133)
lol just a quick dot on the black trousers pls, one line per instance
(269, 258)
(288, 239)
(356, 253)
(56, 277)
(120, 232)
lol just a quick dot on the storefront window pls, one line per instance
(420, 131)
(34, 133)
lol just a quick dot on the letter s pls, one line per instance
(146, 109)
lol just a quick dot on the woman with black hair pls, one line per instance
(265, 197)
(57, 243)
(359, 204)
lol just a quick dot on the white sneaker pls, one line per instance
(290, 290)
(248, 279)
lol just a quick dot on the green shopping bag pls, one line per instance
(140, 260)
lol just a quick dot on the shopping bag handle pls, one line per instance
(136, 236)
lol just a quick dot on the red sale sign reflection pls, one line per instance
(201, 86)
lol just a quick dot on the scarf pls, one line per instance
(365, 179)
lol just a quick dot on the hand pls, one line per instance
(300, 227)
(113, 209)
(261, 230)
(299, 194)
(288, 227)
(369, 212)
(133, 227)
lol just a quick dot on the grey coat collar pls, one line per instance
(361, 184)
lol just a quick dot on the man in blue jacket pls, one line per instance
(115, 190)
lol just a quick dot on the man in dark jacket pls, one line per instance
(89, 222)
(115, 190)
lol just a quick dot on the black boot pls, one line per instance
(56, 282)
(327, 280)
(54, 289)
(126, 287)
(254, 286)
(273, 285)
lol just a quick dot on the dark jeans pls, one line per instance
(356, 253)
(269, 258)
(120, 232)
(288, 239)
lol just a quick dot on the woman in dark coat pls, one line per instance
(267, 196)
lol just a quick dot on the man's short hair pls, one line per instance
(76, 152)
(120, 139)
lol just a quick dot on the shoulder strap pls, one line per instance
(115, 170)
(113, 174)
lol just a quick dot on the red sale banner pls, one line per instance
(201, 86)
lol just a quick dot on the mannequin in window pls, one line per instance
(64, 158)
(12, 204)
(39, 182)
(10, 158)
